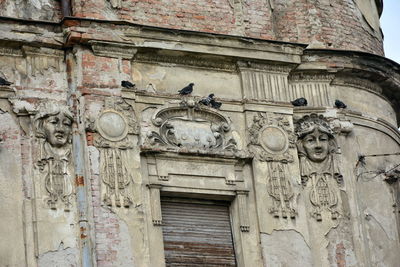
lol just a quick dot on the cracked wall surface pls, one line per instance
(85, 160)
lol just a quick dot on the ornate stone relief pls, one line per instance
(53, 131)
(271, 138)
(115, 124)
(191, 126)
(115, 3)
(317, 150)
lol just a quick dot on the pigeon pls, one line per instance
(4, 82)
(186, 90)
(127, 84)
(340, 104)
(299, 102)
(206, 101)
(215, 104)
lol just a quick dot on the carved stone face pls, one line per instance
(57, 129)
(316, 145)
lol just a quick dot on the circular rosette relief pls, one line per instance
(274, 139)
(112, 125)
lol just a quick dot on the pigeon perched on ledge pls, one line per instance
(340, 104)
(4, 82)
(206, 101)
(186, 90)
(299, 102)
(127, 84)
(215, 104)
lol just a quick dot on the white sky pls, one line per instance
(390, 23)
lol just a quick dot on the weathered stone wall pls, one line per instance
(48, 10)
(85, 162)
(324, 24)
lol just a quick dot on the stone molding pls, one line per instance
(187, 60)
(358, 83)
(113, 49)
(267, 67)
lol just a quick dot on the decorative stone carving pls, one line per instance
(116, 3)
(115, 124)
(317, 150)
(271, 137)
(191, 125)
(53, 130)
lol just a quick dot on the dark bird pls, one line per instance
(207, 100)
(4, 82)
(299, 102)
(340, 104)
(127, 84)
(215, 104)
(186, 90)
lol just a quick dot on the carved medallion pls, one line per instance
(270, 139)
(115, 124)
(112, 125)
(317, 150)
(190, 125)
(274, 139)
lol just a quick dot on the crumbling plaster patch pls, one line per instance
(285, 248)
(63, 257)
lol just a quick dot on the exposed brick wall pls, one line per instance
(330, 24)
(340, 255)
(99, 72)
(106, 222)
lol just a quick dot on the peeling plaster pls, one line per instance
(285, 248)
(63, 257)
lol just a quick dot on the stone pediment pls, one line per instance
(189, 125)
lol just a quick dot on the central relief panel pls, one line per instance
(191, 126)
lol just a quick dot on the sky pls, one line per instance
(390, 24)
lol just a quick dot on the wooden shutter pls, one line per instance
(197, 233)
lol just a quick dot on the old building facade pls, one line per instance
(93, 173)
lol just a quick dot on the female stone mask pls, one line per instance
(53, 129)
(53, 123)
(317, 148)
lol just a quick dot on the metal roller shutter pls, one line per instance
(197, 233)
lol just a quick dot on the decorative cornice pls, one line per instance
(112, 49)
(8, 51)
(306, 77)
(357, 83)
(187, 61)
(42, 51)
(270, 67)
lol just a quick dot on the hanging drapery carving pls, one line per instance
(115, 125)
(271, 139)
(280, 189)
(318, 164)
(53, 129)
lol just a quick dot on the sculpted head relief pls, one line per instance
(53, 123)
(317, 148)
(316, 140)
